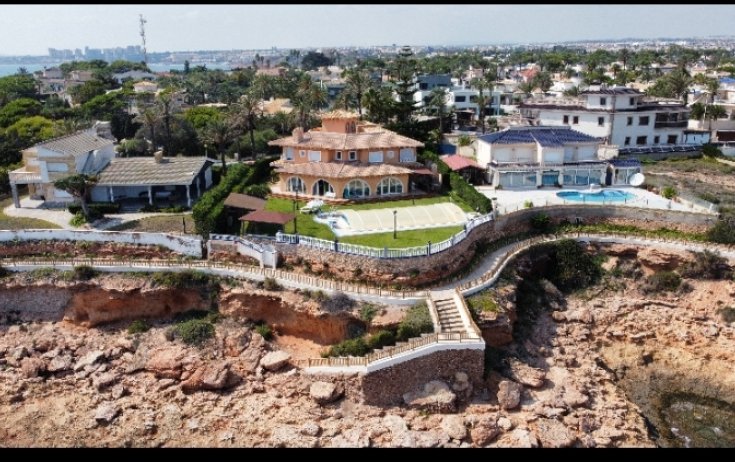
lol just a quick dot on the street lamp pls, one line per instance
(295, 211)
(395, 223)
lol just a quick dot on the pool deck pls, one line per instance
(511, 200)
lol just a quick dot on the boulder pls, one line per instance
(658, 260)
(518, 438)
(211, 376)
(106, 412)
(526, 375)
(89, 359)
(32, 367)
(484, 431)
(325, 392)
(235, 343)
(275, 360)
(60, 363)
(434, 396)
(453, 426)
(554, 434)
(509, 394)
(165, 364)
(105, 380)
(310, 429)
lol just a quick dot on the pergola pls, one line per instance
(268, 217)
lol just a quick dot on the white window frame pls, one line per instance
(299, 182)
(388, 186)
(288, 154)
(315, 156)
(364, 187)
(57, 167)
(338, 155)
(375, 157)
(353, 155)
(390, 155)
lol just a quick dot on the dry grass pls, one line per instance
(14, 223)
(159, 224)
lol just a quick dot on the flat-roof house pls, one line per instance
(347, 159)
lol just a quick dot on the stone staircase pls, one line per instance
(447, 311)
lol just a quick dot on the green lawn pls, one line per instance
(13, 223)
(412, 238)
(404, 203)
(306, 225)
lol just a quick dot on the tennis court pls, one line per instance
(351, 222)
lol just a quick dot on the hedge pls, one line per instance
(208, 212)
(459, 186)
(99, 208)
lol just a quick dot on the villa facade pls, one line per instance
(522, 157)
(347, 159)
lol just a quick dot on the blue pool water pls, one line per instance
(606, 195)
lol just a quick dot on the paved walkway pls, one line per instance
(31, 208)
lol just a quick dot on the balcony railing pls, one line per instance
(671, 124)
(24, 177)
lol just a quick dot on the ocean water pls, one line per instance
(10, 69)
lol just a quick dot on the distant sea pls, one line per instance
(9, 69)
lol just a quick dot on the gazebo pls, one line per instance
(267, 217)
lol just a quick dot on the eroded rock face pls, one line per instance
(210, 376)
(526, 375)
(325, 392)
(659, 260)
(165, 363)
(554, 434)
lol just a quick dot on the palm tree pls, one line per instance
(149, 118)
(164, 103)
(357, 82)
(437, 101)
(481, 84)
(308, 98)
(713, 85)
(245, 115)
(218, 133)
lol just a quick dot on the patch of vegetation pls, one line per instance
(469, 194)
(662, 281)
(316, 295)
(349, 347)
(264, 330)
(405, 238)
(528, 204)
(339, 301)
(381, 339)
(158, 224)
(14, 223)
(368, 311)
(416, 322)
(42, 273)
(631, 230)
(722, 232)
(187, 279)
(669, 192)
(84, 272)
(706, 265)
(194, 331)
(541, 223)
(78, 220)
(571, 267)
(727, 314)
(95, 208)
(271, 284)
(483, 302)
(4, 272)
(138, 327)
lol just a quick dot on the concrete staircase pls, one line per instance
(447, 311)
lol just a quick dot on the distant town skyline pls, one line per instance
(33, 29)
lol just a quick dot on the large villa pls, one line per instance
(348, 159)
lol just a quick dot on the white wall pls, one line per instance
(552, 154)
(185, 245)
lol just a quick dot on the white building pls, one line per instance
(522, 157)
(620, 115)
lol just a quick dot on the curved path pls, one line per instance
(482, 276)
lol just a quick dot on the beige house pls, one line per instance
(87, 151)
(347, 159)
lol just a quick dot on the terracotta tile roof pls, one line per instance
(457, 162)
(340, 170)
(135, 171)
(243, 201)
(340, 114)
(76, 143)
(383, 139)
(266, 216)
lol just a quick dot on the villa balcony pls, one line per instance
(24, 177)
(671, 124)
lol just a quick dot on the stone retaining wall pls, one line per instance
(386, 387)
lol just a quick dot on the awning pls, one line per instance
(243, 201)
(264, 216)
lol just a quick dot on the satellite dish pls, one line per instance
(637, 179)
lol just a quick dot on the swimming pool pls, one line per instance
(606, 195)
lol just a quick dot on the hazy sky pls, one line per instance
(32, 29)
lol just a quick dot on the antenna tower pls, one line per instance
(142, 36)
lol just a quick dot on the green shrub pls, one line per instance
(471, 196)
(264, 330)
(194, 331)
(257, 190)
(84, 272)
(416, 322)
(662, 281)
(381, 339)
(541, 222)
(571, 267)
(187, 279)
(528, 204)
(727, 314)
(669, 192)
(368, 311)
(138, 326)
(722, 232)
(4, 272)
(149, 208)
(41, 273)
(271, 284)
(351, 347)
(100, 208)
(78, 220)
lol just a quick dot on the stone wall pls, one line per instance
(386, 387)
(420, 271)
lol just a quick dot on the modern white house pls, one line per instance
(523, 157)
(622, 116)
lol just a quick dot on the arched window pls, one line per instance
(296, 184)
(356, 188)
(388, 186)
(322, 188)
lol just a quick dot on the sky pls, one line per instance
(32, 29)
